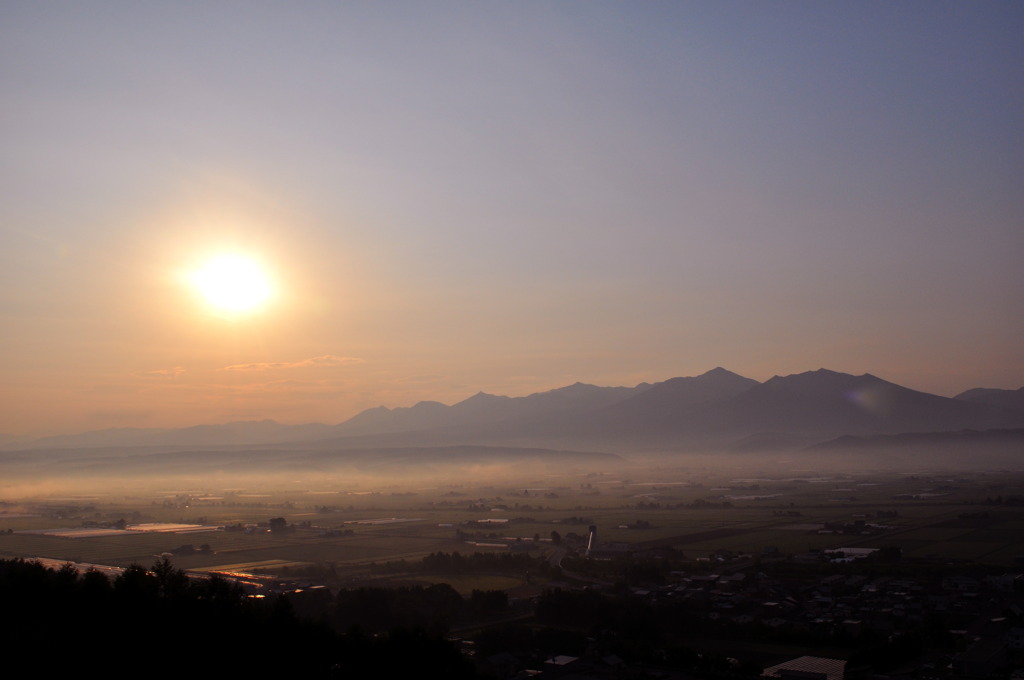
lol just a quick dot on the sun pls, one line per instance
(233, 284)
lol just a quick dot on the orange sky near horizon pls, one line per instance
(506, 199)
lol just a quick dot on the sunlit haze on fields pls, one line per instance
(236, 211)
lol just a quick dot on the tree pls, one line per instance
(173, 583)
(136, 584)
(67, 575)
(95, 583)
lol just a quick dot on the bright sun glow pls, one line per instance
(232, 283)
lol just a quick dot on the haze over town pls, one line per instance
(436, 199)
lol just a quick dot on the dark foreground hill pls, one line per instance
(162, 624)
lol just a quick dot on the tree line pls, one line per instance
(457, 563)
(158, 622)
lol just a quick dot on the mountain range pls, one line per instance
(715, 410)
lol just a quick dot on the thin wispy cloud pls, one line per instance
(263, 386)
(325, 361)
(165, 372)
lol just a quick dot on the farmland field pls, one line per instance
(950, 516)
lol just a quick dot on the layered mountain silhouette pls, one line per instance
(722, 409)
(999, 448)
(958, 440)
(716, 410)
(487, 409)
(1007, 398)
(822, 402)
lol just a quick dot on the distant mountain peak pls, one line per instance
(818, 374)
(718, 372)
(575, 387)
(426, 403)
(484, 396)
(479, 400)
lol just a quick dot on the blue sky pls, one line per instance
(508, 197)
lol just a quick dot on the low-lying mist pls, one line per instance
(84, 472)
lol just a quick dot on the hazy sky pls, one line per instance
(500, 196)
